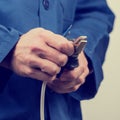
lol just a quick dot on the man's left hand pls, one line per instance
(71, 80)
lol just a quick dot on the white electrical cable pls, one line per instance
(42, 101)
(43, 88)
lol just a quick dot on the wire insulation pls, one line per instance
(42, 101)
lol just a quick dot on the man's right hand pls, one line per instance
(40, 54)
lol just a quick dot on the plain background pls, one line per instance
(106, 104)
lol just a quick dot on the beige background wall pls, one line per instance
(106, 104)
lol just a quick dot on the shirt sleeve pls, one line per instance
(93, 19)
(8, 39)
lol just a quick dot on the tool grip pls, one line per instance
(73, 62)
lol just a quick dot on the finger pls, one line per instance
(63, 90)
(70, 75)
(64, 85)
(83, 76)
(38, 75)
(54, 56)
(56, 41)
(58, 90)
(46, 52)
(75, 88)
(44, 65)
(62, 44)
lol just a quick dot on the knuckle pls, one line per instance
(51, 70)
(63, 60)
(43, 33)
(38, 30)
(87, 70)
(81, 80)
(50, 79)
(63, 45)
(36, 48)
(71, 76)
(67, 47)
(55, 71)
(33, 48)
(29, 72)
(75, 88)
(70, 48)
(82, 68)
(43, 68)
(28, 60)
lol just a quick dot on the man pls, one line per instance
(33, 49)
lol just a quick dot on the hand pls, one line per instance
(40, 54)
(71, 80)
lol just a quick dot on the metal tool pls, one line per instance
(73, 62)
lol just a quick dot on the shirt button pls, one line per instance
(46, 4)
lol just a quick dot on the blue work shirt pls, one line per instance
(20, 96)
